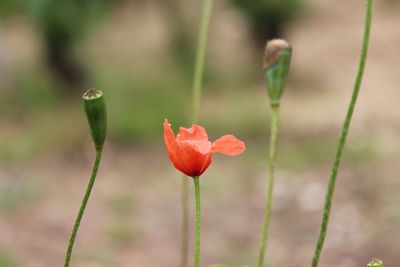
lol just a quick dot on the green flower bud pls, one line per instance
(276, 66)
(375, 263)
(95, 109)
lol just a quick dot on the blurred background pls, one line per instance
(140, 53)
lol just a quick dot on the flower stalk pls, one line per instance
(196, 180)
(271, 182)
(343, 135)
(276, 66)
(82, 208)
(95, 109)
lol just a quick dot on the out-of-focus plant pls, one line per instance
(61, 24)
(268, 17)
(9, 7)
(182, 46)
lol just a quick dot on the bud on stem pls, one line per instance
(276, 67)
(375, 263)
(95, 109)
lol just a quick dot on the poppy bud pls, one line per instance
(276, 65)
(375, 263)
(95, 109)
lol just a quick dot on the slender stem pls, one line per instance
(196, 95)
(82, 208)
(343, 136)
(185, 221)
(200, 58)
(198, 221)
(271, 179)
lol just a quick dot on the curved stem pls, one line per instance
(198, 221)
(343, 136)
(196, 95)
(271, 180)
(82, 208)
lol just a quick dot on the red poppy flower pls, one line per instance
(191, 152)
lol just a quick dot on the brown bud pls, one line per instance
(273, 50)
(276, 68)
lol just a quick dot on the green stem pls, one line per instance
(343, 136)
(196, 95)
(271, 179)
(200, 58)
(82, 208)
(198, 221)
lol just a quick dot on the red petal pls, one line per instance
(172, 148)
(196, 132)
(196, 136)
(207, 162)
(194, 160)
(228, 145)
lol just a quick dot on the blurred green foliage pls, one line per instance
(307, 153)
(268, 17)
(285, 9)
(61, 20)
(138, 104)
(62, 24)
(8, 7)
(138, 98)
(65, 21)
(6, 260)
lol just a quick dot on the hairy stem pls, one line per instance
(198, 221)
(343, 136)
(271, 180)
(82, 208)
